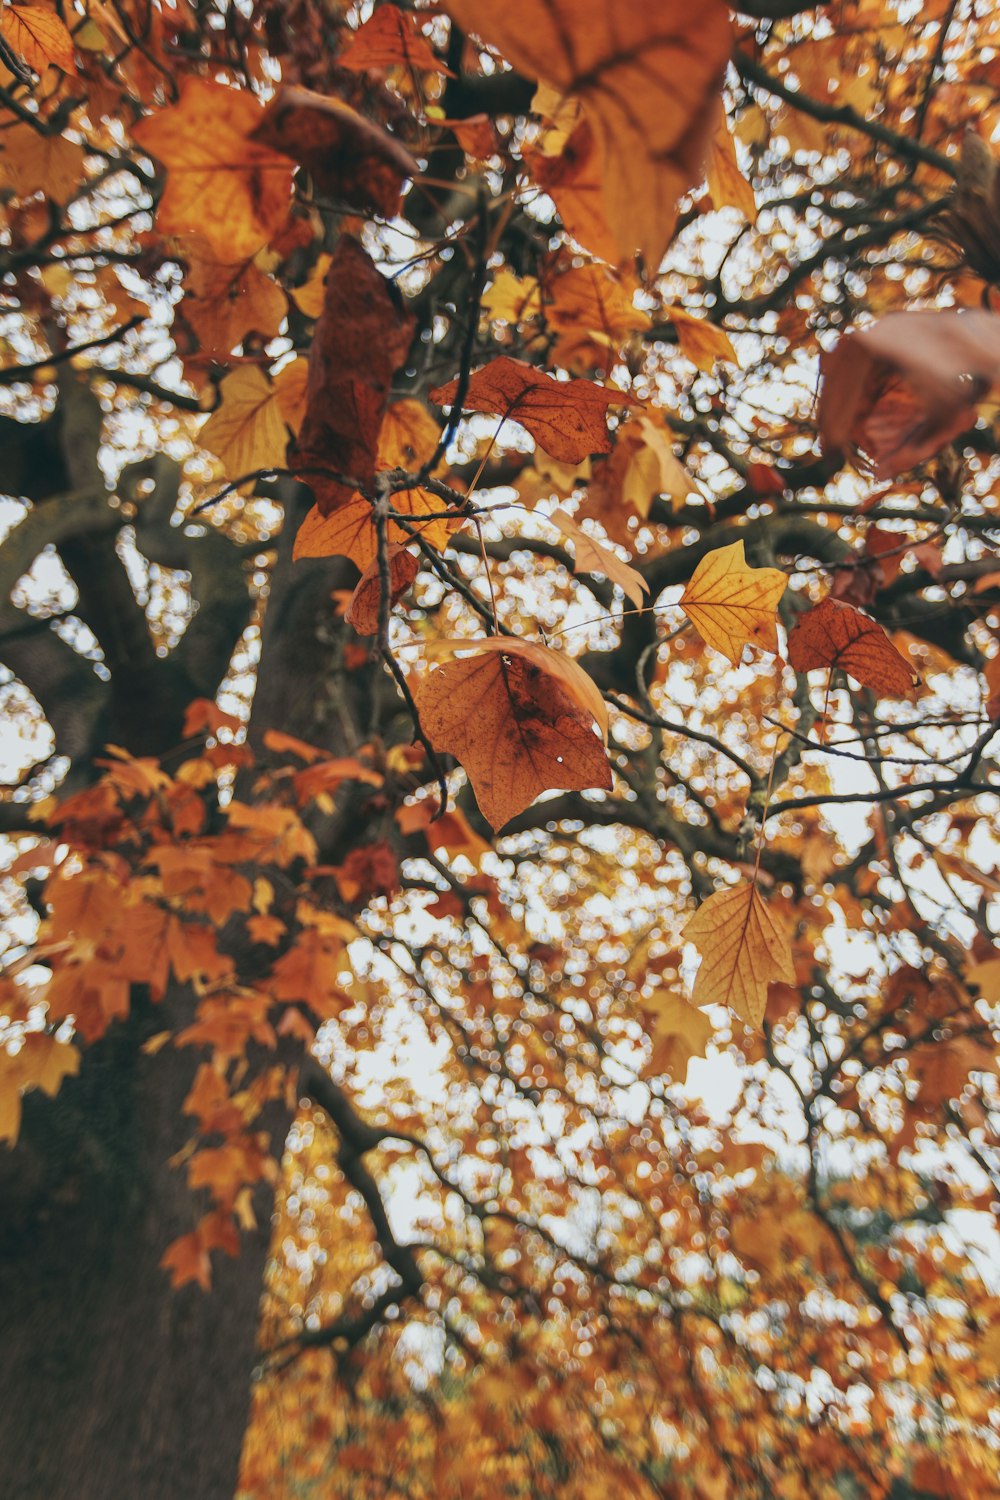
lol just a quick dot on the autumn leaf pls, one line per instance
(30, 161)
(351, 160)
(727, 186)
(732, 605)
(519, 719)
(568, 418)
(221, 185)
(702, 342)
(363, 610)
(38, 37)
(592, 310)
(593, 557)
(246, 431)
(390, 38)
(679, 1032)
(743, 949)
(835, 634)
(648, 78)
(893, 394)
(361, 338)
(224, 302)
(349, 531)
(572, 179)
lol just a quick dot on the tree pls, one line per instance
(658, 726)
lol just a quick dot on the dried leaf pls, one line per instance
(349, 531)
(593, 557)
(733, 605)
(519, 719)
(568, 418)
(743, 949)
(727, 187)
(648, 78)
(351, 160)
(894, 394)
(222, 185)
(679, 1032)
(838, 635)
(391, 38)
(360, 340)
(573, 182)
(702, 342)
(363, 610)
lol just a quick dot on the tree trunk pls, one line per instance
(111, 1383)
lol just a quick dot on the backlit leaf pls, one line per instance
(593, 557)
(743, 949)
(247, 430)
(732, 605)
(38, 37)
(835, 634)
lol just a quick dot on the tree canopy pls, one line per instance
(500, 609)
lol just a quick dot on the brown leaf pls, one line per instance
(568, 418)
(351, 160)
(835, 634)
(648, 78)
(727, 187)
(519, 719)
(593, 557)
(743, 949)
(732, 605)
(360, 340)
(363, 610)
(894, 394)
(222, 185)
(391, 38)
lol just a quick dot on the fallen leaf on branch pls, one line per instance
(835, 634)
(519, 718)
(732, 605)
(351, 160)
(743, 949)
(568, 418)
(895, 393)
(593, 557)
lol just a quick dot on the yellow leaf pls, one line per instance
(290, 388)
(743, 949)
(732, 605)
(38, 37)
(246, 430)
(593, 557)
(309, 297)
(727, 187)
(680, 1032)
(31, 163)
(702, 342)
(408, 437)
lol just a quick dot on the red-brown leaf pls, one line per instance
(835, 634)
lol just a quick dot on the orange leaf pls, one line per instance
(732, 605)
(727, 187)
(593, 557)
(351, 160)
(894, 394)
(648, 78)
(519, 719)
(38, 37)
(247, 430)
(360, 340)
(391, 38)
(568, 418)
(838, 635)
(743, 949)
(363, 610)
(702, 342)
(350, 531)
(221, 185)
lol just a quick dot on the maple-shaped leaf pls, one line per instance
(732, 605)
(568, 418)
(360, 340)
(835, 634)
(38, 37)
(648, 78)
(246, 430)
(363, 610)
(351, 160)
(572, 179)
(519, 718)
(391, 38)
(743, 948)
(591, 307)
(895, 393)
(188, 1258)
(679, 1032)
(593, 557)
(224, 302)
(221, 185)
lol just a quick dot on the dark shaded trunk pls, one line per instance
(111, 1383)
